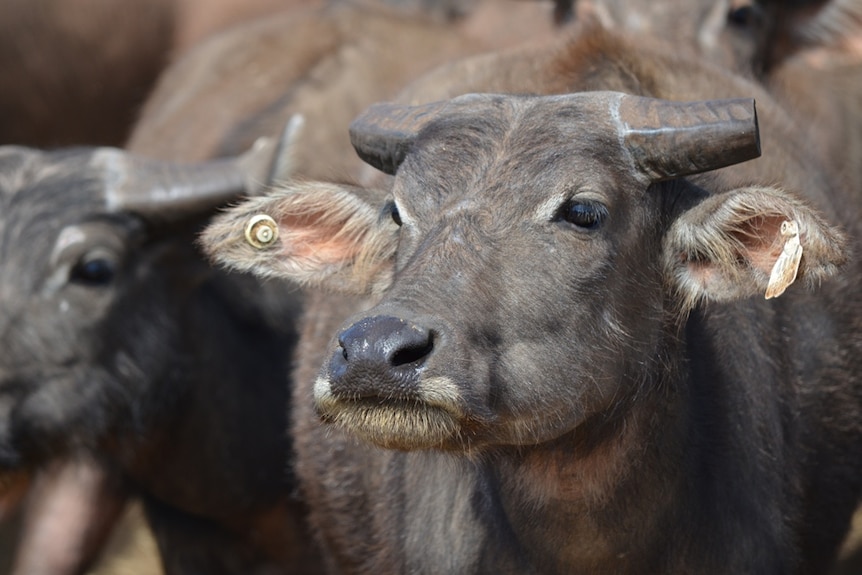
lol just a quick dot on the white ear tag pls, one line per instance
(787, 265)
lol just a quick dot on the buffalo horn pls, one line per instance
(166, 190)
(665, 139)
(383, 134)
(674, 139)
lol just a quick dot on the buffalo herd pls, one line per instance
(430, 287)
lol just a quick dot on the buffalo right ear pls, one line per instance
(311, 233)
(749, 241)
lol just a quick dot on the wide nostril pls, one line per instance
(386, 340)
(413, 353)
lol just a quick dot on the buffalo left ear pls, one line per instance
(749, 241)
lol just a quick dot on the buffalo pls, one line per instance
(553, 352)
(217, 510)
(115, 335)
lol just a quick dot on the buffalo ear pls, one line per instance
(749, 241)
(311, 233)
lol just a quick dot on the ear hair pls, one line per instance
(726, 247)
(326, 236)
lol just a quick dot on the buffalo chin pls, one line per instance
(393, 424)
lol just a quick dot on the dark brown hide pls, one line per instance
(524, 350)
(326, 64)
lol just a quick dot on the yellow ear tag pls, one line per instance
(787, 265)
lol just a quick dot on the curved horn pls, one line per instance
(383, 134)
(665, 139)
(674, 139)
(170, 190)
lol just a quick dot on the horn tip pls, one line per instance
(377, 141)
(756, 125)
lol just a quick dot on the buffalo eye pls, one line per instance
(583, 214)
(393, 213)
(94, 270)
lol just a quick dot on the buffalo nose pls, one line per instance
(388, 342)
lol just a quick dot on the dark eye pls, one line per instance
(393, 213)
(97, 271)
(586, 215)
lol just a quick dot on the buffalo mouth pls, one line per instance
(393, 423)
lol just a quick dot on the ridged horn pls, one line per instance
(170, 191)
(383, 134)
(665, 139)
(673, 139)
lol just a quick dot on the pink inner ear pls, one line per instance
(761, 240)
(318, 238)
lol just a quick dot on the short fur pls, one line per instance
(603, 431)
(326, 64)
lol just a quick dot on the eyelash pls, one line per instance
(584, 214)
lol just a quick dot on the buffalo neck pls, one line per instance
(682, 468)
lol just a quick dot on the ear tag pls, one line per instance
(787, 265)
(261, 231)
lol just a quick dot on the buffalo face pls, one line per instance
(530, 268)
(93, 274)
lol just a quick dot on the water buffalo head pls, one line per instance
(532, 263)
(95, 258)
